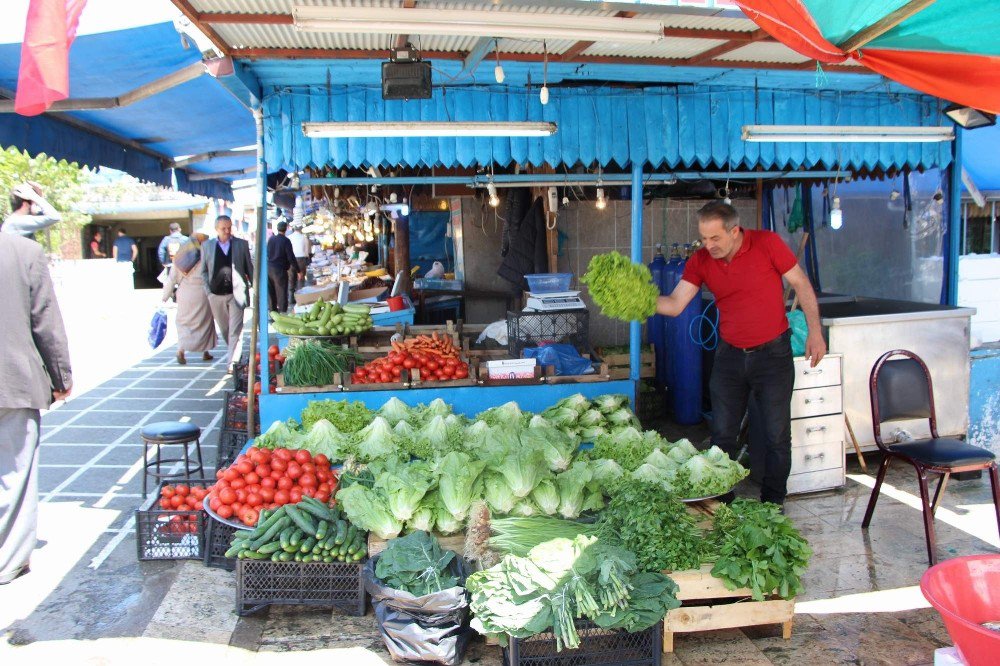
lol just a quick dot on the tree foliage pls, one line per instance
(63, 185)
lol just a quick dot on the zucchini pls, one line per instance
(303, 520)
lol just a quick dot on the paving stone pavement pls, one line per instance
(93, 601)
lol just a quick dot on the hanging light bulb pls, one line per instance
(836, 215)
(405, 208)
(602, 203)
(543, 94)
(492, 190)
(498, 70)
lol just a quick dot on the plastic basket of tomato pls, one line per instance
(170, 525)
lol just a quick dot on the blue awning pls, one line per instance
(675, 127)
(196, 117)
(980, 148)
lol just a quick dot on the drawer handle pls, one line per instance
(817, 371)
(815, 429)
(819, 456)
(809, 401)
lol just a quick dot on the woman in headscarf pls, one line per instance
(195, 326)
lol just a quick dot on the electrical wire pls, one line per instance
(710, 341)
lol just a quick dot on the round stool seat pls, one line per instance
(169, 431)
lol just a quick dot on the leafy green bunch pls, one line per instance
(622, 289)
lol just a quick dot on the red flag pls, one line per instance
(44, 74)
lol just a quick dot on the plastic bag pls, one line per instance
(432, 628)
(800, 331)
(564, 358)
(157, 328)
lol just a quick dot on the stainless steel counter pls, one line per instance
(862, 329)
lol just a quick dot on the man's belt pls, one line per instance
(749, 350)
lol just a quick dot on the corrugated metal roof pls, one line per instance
(285, 6)
(703, 22)
(763, 52)
(665, 48)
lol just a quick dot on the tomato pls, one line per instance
(282, 454)
(267, 494)
(409, 364)
(255, 500)
(323, 488)
(396, 371)
(230, 474)
(279, 464)
(285, 483)
(294, 472)
(219, 473)
(167, 492)
(296, 495)
(461, 372)
(254, 488)
(262, 471)
(182, 490)
(323, 475)
(432, 365)
(165, 504)
(308, 468)
(281, 497)
(268, 482)
(250, 452)
(256, 357)
(241, 495)
(307, 480)
(225, 511)
(256, 388)
(176, 501)
(321, 460)
(302, 456)
(322, 497)
(214, 504)
(198, 492)
(275, 474)
(249, 516)
(251, 478)
(273, 351)
(308, 492)
(384, 377)
(227, 496)
(238, 483)
(244, 467)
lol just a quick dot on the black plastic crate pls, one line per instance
(218, 538)
(530, 329)
(598, 647)
(652, 406)
(234, 416)
(231, 442)
(261, 583)
(162, 534)
(240, 374)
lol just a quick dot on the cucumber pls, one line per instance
(298, 557)
(270, 548)
(252, 555)
(341, 532)
(314, 310)
(302, 520)
(296, 539)
(352, 532)
(355, 545)
(327, 559)
(234, 550)
(342, 551)
(315, 507)
(322, 530)
(307, 545)
(285, 535)
(242, 534)
(273, 534)
(276, 557)
(285, 557)
(329, 542)
(264, 524)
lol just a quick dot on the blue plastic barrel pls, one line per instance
(654, 325)
(683, 357)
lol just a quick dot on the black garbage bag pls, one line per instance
(433, 628)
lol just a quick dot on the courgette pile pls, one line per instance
(305, 532)
(325, 319)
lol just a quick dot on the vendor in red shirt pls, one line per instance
(743, 269)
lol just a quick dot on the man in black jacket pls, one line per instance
(280, 260)
(227, 270)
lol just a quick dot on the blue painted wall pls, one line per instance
(984, 399)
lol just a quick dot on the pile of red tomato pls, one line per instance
(265, 479)
(432, 367)
(181, 497)
(274, 361)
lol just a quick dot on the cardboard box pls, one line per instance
(311, 294)
(372, 295)
(517, 368)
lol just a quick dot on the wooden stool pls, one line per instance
(167, 433)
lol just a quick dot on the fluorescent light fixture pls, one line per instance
(465, 23)
(367, 130)
(968, 117)
(847, 133)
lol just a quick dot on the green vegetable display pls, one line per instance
(657, 528)
(622, 289)
(416, 564)
(325, 320)
(314, 363)
(518, 535)
(308, 531)
(755, 546)
(562, 580)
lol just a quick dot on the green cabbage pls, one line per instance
(576, 402)
(369, 509)
(660, 460)
(280, 436)
(557, 447)
(376, 441)
(395, 411)
(604, 471)
(457, 483)
(523, 468)
(498, 494)
(591, 418)
(404, 485)
(571, 484)
(560, 416)
(546, 497)
(622, 417)
(445, 521)
(525, 508)
(506, 415)
(591, 433)
(422, 519)
(610, 402)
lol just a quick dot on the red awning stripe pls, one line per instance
(790, 22)
(43, 77)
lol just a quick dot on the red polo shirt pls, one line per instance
(748, 289)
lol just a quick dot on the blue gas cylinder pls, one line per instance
(684, 358)
(654, 325)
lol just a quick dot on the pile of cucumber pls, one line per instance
(305, 532)
(325, 319)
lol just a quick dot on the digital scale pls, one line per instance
(556, 301)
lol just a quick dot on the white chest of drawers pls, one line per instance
(817, 426)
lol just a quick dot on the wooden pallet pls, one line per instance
(283, 388)
(719, 607)
(619, 365)
(455, 542)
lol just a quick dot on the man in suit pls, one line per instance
(280, 260)
(227, 271)
(36, 371)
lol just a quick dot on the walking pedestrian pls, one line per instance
(280, 261)
(170, 245)
(300, 246)
(194, 321)
(743, 268)
(124, 249)
(36, 371)
(227, 272)
(29, 211)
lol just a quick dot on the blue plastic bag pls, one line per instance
(157, 329)
(564, 358)
(800, 331)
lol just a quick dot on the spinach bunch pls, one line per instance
(656, 527)
(759, 548)
(416, 564)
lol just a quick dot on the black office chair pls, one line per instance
(901, 390)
